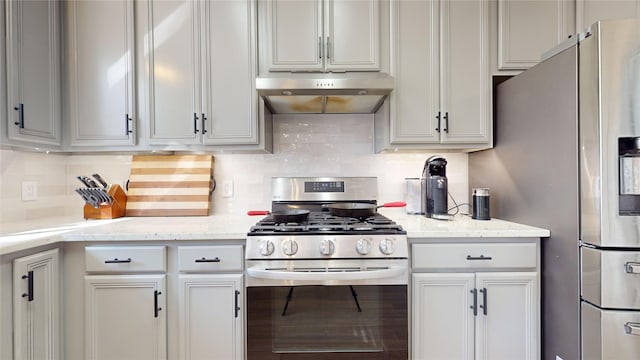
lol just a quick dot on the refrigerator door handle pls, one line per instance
(632, 328)
(632, 267)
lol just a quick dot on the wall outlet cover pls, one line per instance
(29, 190)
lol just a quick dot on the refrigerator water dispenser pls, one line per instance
(629, 174)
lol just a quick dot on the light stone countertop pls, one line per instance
(230, 227)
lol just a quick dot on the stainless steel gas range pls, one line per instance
(325, 285)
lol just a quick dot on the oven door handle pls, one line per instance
(389, 272)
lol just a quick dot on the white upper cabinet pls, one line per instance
(442, 94)
(465, 87)
(101, 73)
(201, 78)
(590, 11)
(174, 88)
(322, 35)
(527, 29)
(33, 71)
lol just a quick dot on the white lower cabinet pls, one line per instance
(481, 313)
(211, 302)
(210, 316)
(125, 303)
(148, 302)
(36, 306)
(125, 317)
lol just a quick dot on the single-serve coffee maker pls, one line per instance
(435, 189)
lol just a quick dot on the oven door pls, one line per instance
(349, 317)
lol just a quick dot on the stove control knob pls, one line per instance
(267, 248)
(363, 246)
(387, 246)
(327, 247)
(289, 247)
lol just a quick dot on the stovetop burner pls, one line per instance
(324, 223)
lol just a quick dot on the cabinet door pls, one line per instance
(210, 316)
(230, 105)
(294, 35)
(465, 72)
(36, 306)
(590, 11)
(526, 29)
(101, 72)
(507, 324)
(443, 316)
(175, 115)
(125, 317)
(417, 54)
(352, 35)
(33, 71)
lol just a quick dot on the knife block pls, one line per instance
(109, 211)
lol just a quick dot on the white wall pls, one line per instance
(304, 145)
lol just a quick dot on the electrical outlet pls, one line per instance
(227, 188)
(29, 191)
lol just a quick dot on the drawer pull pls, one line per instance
(632, 328)
(632, 267)
(29, 293)
(481, 257)
(205, 260)
(156, 309)
(475, 301)
(484, 300)
(117, 261)
(237, 306)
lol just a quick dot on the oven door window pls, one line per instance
(327, 319)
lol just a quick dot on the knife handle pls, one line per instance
(100, 180)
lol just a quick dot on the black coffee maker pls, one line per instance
(435, 190)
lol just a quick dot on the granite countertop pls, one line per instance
(229, 227)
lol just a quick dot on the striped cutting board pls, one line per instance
(170, 185)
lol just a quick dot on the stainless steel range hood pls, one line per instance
(331, 93)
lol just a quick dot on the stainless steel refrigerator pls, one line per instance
(567, 158)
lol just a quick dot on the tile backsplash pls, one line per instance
(304, 145)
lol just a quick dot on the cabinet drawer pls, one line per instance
(491, 256)
(210, 258)
(125, 258)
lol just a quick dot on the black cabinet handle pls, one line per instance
(127, 119)
(20, 110)
(204, 127)
(205, 260)
(484, 300)
(29, 293)
(156, 309)
(438, 118)
(237, 305)
(481, 257)
(475, 302)
(118, 261)
(195, 123)
(446, 122)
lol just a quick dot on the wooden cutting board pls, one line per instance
(170, 185)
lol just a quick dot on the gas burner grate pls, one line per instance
(324, 223)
